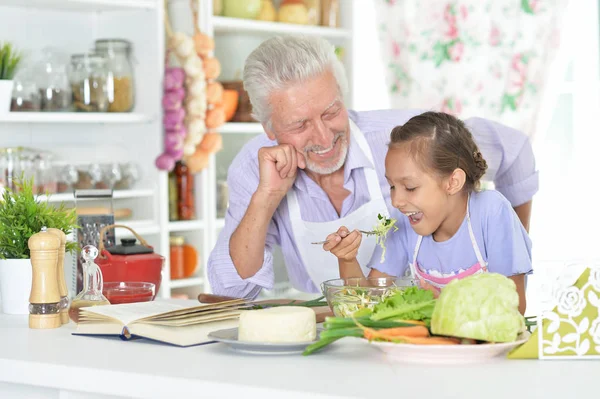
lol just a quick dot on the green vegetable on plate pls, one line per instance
(483, 307)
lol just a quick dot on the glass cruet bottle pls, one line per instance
(91, 294)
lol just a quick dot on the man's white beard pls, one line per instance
(318, 169)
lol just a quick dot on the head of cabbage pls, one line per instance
(483, 307)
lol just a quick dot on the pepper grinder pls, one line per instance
(62, 284)
(44, 309)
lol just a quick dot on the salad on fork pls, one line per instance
(380, 231)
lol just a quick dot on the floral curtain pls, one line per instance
(472, 57)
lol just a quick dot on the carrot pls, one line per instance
(417, 322)
(429, 340)
(391, 333)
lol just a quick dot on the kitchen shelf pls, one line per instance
(84, 5)
(186, 225)
(117, 194)
(186, 282)
(238, 25)
(241, 128)
(73, 117)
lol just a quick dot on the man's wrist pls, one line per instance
(269, 200)
(348, 262)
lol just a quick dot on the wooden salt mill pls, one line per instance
(44, 309)
(62, 284)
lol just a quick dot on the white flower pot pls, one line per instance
(15, 285)
(6, 89)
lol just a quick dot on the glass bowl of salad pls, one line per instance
(350, 295)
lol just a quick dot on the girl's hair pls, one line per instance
(442, 143)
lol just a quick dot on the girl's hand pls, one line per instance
(426, 286)
(343, 243)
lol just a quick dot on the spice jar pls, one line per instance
(53, 81)
(176, 256)
(89, 82)
(66, 177)
(185, 192)
(120, 79)
(45, 178)
(184, 258)
(25, 97)
(173, 214)
(25, 94)
(130, 174)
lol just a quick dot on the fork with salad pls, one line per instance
(380, 231)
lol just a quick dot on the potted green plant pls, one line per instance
(23, 214)
(9, 61)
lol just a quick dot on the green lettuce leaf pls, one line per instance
(412, 303)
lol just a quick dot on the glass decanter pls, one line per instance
(91, 294)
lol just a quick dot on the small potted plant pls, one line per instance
(21, 215)
(9, 61)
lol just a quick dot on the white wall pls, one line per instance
(370, 90)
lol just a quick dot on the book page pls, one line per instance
(234, 304)
(191, 315)
(128, 312)
(196, 319)
(182, 336)
(197, 310)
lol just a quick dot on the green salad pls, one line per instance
(381, 230)
(348, 301)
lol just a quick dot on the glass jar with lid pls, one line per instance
(121, 90)
(52, 80)
(183, 258)
(89, 82)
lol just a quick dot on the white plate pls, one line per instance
(447, 354)
(229, 337)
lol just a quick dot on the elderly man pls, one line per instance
(321, 166)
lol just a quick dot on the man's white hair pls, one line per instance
(286, 60)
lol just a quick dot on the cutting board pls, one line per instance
(321, 312)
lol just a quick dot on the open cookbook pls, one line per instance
(166, 322)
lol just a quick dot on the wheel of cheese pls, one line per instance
(285, 324)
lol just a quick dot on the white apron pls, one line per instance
(321, 265)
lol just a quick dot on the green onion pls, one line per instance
(318, 345)
(342, 332)
(341, 322)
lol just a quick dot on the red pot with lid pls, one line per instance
(129, 261)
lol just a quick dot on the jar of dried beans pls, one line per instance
(121, 90)
(89, 84)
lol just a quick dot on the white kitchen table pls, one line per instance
(55, 364)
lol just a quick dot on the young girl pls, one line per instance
(448, 229)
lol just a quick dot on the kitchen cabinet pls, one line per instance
(72, 26)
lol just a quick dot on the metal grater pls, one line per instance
(90, 225)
